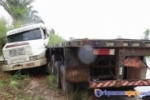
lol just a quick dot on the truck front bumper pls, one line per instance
(24, 65)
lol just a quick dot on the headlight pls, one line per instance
(33, 58)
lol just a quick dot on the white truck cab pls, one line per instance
(25, 47)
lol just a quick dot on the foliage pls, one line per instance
(146, 34)
(55, 38)
(79, 95)
(14, 80)
(52, 31)
(51, 81)
(14, 84)
(3, 27)
(21, 10)
(18, 76)
(31, 16)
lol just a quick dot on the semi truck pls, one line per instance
(26, 48)
(100, 63)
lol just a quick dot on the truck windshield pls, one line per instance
(25, 36)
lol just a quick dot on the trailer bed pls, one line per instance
(104, 43)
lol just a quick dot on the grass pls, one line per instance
(24, 96)
(51, 81)
(54, 38)
(11, 86)
(77, 95)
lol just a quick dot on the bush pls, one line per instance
(3, 27)
(55, 39)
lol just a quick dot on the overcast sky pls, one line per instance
(94, 18)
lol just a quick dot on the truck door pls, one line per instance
(46, 37)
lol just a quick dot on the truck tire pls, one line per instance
(57, 67)
(67, 87)
(45, 68)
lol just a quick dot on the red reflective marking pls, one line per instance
(102, 51)
(17, 44)
(30, 64)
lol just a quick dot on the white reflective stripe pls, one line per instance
(131, 83)
(93, 84)
(137, 82)
(99, 84)
(112, 83)
(107, 83)
(111, 51)
(120, 71)
(145, 82)
(125, 83)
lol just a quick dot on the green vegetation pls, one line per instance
(82, 95)
(11, 86)
(3, 30)
(51, 81)
(21, 10)
(3, 27)
(55, 39)
(77, 95)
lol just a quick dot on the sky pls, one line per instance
(100, 19)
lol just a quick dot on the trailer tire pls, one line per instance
(67, 87)
(45, 68)
(51, 65)
(57, 67)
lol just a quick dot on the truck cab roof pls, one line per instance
(25, 28)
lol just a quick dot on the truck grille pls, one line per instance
(17, 52)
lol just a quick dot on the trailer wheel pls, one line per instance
(67, 87)
(51, 65)
(57, 67)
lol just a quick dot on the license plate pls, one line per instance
(30, 64)
(132, 62)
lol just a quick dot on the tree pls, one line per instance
(31, 16)
(52, 31)
(3, 29)
(119, 37)
(146, 34)
(21, 10)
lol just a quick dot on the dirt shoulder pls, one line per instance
(22, 87)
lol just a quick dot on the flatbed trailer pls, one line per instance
(111, 63)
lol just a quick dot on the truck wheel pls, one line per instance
(47, 68)
(57, 67)
(67, 87)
